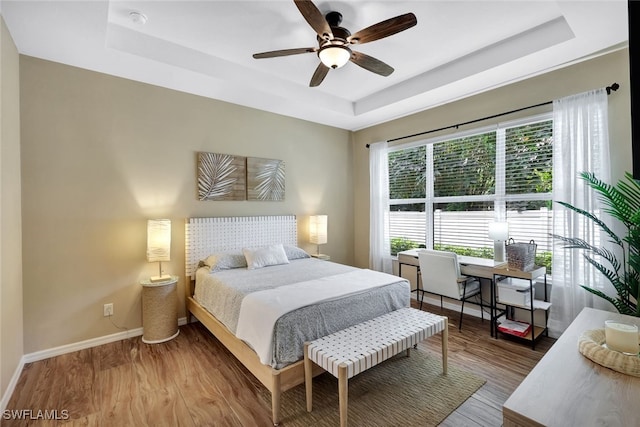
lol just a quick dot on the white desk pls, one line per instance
(469, 266)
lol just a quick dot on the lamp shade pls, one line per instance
(499, 231)
(158, 240)
(334, 56)
(318, 229)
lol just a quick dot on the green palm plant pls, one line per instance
(622, 202)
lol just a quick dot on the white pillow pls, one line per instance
(294, 252)
(264, 256)
(225, 261)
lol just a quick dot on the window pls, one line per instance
(444, 192)
(407, 187)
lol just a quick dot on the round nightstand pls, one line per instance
(159, 310)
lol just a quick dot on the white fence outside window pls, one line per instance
(470, 229)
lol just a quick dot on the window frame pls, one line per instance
(499, 198)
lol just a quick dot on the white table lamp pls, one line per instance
(318, 230)
(499, 233)
(159, 245)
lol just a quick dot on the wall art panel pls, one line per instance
(221, 177)
(265, 179)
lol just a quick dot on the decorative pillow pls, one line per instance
(294, 252)
(264, 256)
(225, 261)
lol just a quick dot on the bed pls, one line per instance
(320, 297)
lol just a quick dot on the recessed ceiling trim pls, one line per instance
(222, 35)
(543, 36)
(143, 45)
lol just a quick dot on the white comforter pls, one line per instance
(260, 310)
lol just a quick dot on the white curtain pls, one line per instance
(379, 244)
(580, 144)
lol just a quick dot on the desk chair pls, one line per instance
(441, 276)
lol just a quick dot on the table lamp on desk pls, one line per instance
(499, 233)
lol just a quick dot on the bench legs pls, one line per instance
(308, 377)
(343, 386)
(343, 379)
(343, 390)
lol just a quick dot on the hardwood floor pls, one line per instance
(194, 381)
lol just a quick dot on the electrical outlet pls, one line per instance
(108, 310)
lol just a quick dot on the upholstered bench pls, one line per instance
(348, 352)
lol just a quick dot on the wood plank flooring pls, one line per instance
(194, 381)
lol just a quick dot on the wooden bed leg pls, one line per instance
(275, 399)
(445, 347)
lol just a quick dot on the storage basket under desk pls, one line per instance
(515, 289)
(510, 292)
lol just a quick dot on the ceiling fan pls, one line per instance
(334, 41)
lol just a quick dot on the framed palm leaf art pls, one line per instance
(221, 177)
(265, 179)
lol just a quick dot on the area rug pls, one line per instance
(403, 391)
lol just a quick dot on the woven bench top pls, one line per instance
(363, 346)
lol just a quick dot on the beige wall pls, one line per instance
(101, 155)
(11, 329)
(592, 74)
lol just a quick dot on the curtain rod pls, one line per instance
(613, 87)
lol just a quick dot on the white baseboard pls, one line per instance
(93, 342)
(64, 349)
(469, 308)
(12, 385)
(81, 345)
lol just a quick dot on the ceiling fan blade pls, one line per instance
(315, 18)
(284, 52)
(319, 75)
(384, 29)
(370, 63)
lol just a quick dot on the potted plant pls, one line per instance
(622, 202)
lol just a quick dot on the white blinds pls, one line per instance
(528, 158)
(465, 166)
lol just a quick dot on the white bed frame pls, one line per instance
(204, 236)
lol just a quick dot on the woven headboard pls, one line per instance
(205, 236)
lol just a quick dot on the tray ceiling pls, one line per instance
(457, 49)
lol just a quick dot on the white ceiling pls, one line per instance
(458, 48)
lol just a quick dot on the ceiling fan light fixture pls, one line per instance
(334, 41)
(334, 56)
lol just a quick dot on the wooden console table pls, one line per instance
(567, 389)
